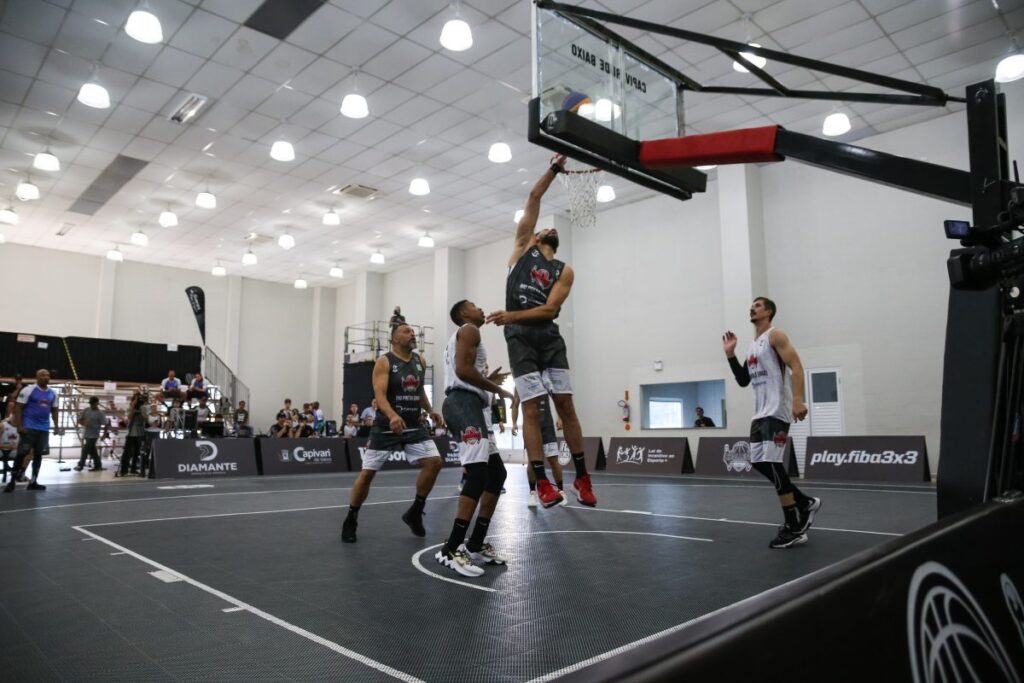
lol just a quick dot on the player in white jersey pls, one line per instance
(778, 400)
(465, 411)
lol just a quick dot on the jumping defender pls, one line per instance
(466, 409)
(778, 399)
(549, 438)
(537, 286)
(398, 388)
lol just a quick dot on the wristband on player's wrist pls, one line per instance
(556, 169)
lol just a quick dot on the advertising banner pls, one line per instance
(649, 455)
(730, 456)
(302, 456)
(189, 458)
(593, 453)
(868, 458)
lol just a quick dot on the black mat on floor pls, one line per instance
(256, 585)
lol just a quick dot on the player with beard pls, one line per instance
(467, 411)
(537, 286)
(398, 388)
(778, 400)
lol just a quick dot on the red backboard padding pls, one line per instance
(744, 146)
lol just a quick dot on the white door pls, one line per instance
(825, 410)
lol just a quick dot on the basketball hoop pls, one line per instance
(581, 182)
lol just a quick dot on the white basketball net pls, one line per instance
(581, 182)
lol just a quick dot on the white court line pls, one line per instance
(416, 556)
(233, 609)
(730, 521)
(252, 512)
(195, 495)
(297, 630)
(166, 576)
(654, 636)
(755, 485)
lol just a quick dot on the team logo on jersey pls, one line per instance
(394, 368)
(779, 439)
(752, 361)
(410, 383)
(471, 436)
(541, 277)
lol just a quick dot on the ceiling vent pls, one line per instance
(188, 109)
(254, 238)
(113, 178)
(357, 191)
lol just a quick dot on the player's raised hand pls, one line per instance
(499, 318)
(729, 343)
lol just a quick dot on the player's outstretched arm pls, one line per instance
(787, 352)
(466, 343)
(531, 212)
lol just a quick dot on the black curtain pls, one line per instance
(27, 356)
(358, 385)
(129, 361)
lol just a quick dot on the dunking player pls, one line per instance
(398, 388)
(537, 286)
(550, 445)
(778, 399)
(466, 408)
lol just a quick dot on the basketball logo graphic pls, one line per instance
(948, 635)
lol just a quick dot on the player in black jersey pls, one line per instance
(537, 286)
(549, 438)
(398, 388)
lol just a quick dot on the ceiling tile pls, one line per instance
(244, 49)
(35, 21)
(401, 17)
(213, 78)
(324, 28)
(203, 34)
(173, 67)
(13, 87)
(249, 92)
(128, 54)
(359, 46)
(396, 59)
(429, 72)
(318, 76)
(283, 63)
(235, 10)
(149, 96)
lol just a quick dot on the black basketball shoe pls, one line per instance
(415, 521)
(788, 538)
(348, 530)
(807, 514)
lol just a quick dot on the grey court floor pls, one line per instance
(247, 579)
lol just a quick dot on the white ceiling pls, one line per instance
(454, 103)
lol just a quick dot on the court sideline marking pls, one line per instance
(416, 556)
(240, 605)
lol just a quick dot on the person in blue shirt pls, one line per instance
(35, 407)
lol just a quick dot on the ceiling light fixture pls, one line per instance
(426, 241)
(26, 191)
(336, 271)
(218, 271)
(115, 255)
(456, 34)
(282, 150)
(757, 61)
(144, 26)
(518, 216)
(835, 124)
(46, 161)
(377, 257)
(94, 95)
(206, 200)
(605, 193)
(249, 258)
(286, 241)
(419, 187)
(354, 105)
(139, 238)
(1010, 68)
(499, 153)
(8, 215)
(168, 219)
(332, 218)
(301, 283)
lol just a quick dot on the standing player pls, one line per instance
(36, 406)
(466, 409)
(398, 388)
(537, 286)
(778, 399)
(550, 445)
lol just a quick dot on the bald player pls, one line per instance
(537, 286)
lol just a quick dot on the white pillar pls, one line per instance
(232, 322)
(321, 349)
(449, 287)
(104, 327)
(744, 271)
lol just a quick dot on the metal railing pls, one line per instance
(368, 340)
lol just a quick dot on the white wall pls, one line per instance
(411, 288)
(61, 300)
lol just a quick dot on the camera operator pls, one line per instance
(136, 432)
